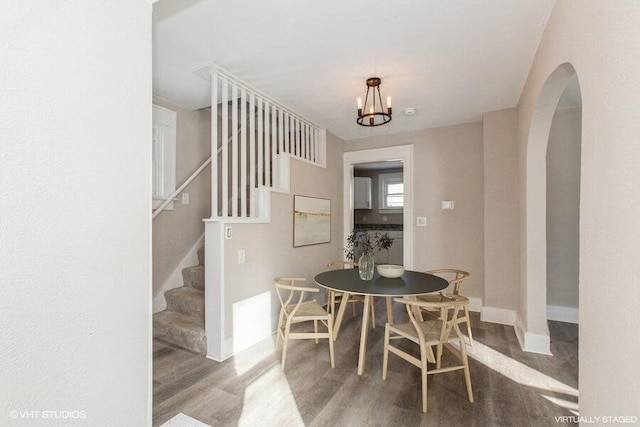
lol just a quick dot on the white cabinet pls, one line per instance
(361, 192)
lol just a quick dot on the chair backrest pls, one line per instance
(289, 292)
(446, 322)
(453, 276)
(336, 265)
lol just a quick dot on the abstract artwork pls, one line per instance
(311, 221)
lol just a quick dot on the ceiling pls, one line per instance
(450, 60)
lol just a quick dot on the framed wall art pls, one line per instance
(311, 221)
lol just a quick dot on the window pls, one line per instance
(391, 192)
(164, 155)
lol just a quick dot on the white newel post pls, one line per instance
(214, 289)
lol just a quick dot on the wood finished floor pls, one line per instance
(511, 387)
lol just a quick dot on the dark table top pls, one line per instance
(410, 283)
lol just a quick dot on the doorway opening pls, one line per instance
(397, 164)
(378, 189)
(552, 209)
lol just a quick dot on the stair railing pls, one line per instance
(184, 185)
(254, 159)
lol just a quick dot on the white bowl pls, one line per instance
(390, 271)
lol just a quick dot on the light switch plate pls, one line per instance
(421, 221)
(241, 256)
(185, 198)
(227, 233)
(447, 204)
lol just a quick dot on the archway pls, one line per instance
(536, 332)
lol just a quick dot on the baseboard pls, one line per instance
(533, 343)
(498, 315)
(563, 314)
(175, 279)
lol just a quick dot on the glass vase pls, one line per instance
(365, 266)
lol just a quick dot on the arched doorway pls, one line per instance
(536, 267)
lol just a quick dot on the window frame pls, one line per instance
(384, 179)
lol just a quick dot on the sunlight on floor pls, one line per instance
(567, 404)
(523, 374)
(252, 325)
(517, 371)
(269, 400)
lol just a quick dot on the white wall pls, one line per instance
(601, 40)
(449, 166)
(75, 229)
(563, 208)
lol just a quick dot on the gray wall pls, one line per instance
(563, 208)
(501, 222)
(176, 231)
(450, 163)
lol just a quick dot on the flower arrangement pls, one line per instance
(364, 242)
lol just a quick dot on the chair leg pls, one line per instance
(385, 358)
(315, 329)
(285, 342)
(330, 327)
(439, 356)
(466, 313)
(423, 370)
(279, 329)
(467, 375)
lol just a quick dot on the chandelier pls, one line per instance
(371, 113)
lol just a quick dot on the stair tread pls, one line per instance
(179, 329)
(194, 276)
(186, 300)
(185, 292)
(179, 320)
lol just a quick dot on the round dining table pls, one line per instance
(348, 281)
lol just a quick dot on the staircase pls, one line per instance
(182, 323)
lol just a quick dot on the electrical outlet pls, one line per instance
(241, 256)
(421, 221)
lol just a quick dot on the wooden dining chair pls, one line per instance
(439, 333)
(455, 278)
(334, 298)
(295, 310)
